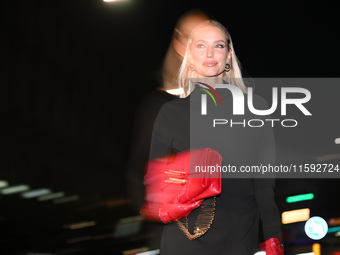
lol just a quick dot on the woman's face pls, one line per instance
(208, 52)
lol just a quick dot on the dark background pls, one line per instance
(72, 76)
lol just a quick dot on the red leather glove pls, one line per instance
(272, 247)
(168, 213)
(175, 212)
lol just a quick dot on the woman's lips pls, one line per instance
(210, 63)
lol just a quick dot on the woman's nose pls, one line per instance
(210, 52)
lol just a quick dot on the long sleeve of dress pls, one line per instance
(140, 144)
(264, 189)
(162, 137)
(269, 213)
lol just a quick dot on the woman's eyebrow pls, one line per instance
(214, 41)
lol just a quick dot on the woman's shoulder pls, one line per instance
(175, 105)
(258, 101)
(174, 111)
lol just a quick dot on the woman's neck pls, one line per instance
(211, 81)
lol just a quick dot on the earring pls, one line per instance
(191, 67)
(227, 67)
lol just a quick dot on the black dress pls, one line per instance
(139, 155)
(244, 202)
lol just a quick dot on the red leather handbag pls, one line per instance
(177, 184)
(272, 247)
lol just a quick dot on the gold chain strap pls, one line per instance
(204, 220)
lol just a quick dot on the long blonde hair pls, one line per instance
(234, 76)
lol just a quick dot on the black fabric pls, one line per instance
(138, 157)
(140, 144)
(235, 229)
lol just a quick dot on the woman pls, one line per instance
(147, 112)
(210, 57)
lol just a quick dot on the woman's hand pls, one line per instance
(272, 247)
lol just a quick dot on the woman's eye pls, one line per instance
(200, 46)
(221, 46)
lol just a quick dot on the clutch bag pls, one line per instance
(177, 184)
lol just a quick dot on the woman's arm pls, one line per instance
(270, 218)
(162, 137)
(265, 197)
(269, 213)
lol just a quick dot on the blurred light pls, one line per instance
(316, 249)
(51, 196)
(131, 219)
(134, 251)
(337, 141)
(113, 202)
(334, 222)
(298, 198)
(327, 157)
(36, 193)
(66, 199)
(113, 0)
(84, 224)
(3, 184)
(178, 91)
(295, 216)
(260, 253)
(337, 234)
(153, 252)
(334, 229)
(128, 226)
(79, 239)
(14, 189)
(316, 228)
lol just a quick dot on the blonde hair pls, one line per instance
(234, 76)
